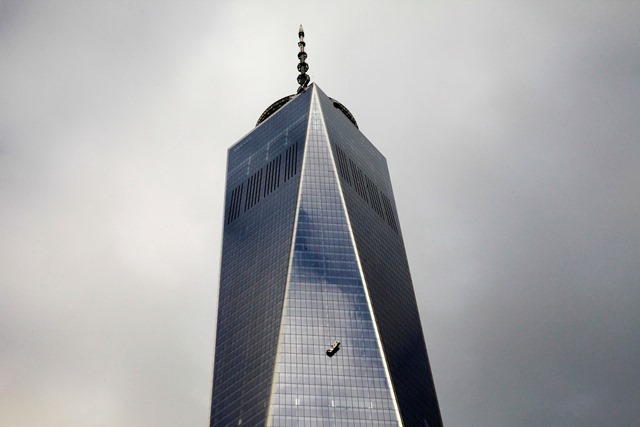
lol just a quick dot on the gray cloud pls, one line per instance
(511, 133)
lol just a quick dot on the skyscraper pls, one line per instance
(317, 318)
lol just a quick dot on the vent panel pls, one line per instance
(351, 173)
(262, 183)
(233, 211)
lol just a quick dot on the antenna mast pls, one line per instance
(303, 78)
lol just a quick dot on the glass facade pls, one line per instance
(313, 255)
(325, 301)
(384, 262)
(255, 259)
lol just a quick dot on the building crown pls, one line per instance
(303, 81)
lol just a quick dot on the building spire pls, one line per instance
(303, 78)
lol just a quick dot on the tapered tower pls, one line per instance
(317, 318)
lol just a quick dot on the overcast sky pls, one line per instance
(512, 133)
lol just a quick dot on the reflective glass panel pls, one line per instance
(263, 175)
(385, 266)
(326, 303)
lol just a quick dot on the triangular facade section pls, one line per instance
(366, 186)
(330, 369)
(263, 179)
